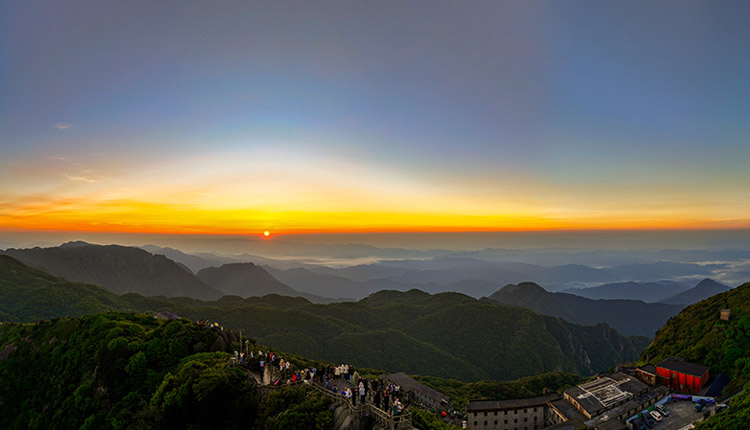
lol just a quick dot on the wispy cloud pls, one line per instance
(62, 126)
(88, 180)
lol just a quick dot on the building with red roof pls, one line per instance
(681, 375)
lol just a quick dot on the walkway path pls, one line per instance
(383, 419)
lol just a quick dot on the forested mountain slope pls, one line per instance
(128, 371)
(120, 269)
(28, 294)
(448, 335)
(697, 334)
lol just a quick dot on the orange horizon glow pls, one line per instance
(300, 199)
(195, 232)
(212, 131)
(205, 222)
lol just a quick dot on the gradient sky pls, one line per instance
(240, 117)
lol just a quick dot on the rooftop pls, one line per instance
(408, 383)
(635, 403)
(649, 368)
(606, 391)
(679, 365)
(567, 409)
(494, 405)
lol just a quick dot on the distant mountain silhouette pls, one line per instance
(321, 284)
(626, 316)
(250, 280)
(649, 292)
(703, 290)
(120, 269)
(364, 272)
(446, 271)
(194, 263)
(76, 244)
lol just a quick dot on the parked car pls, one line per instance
(662, 410)
(639, 425)
(699, 405)
(721, 406)
(656, 416)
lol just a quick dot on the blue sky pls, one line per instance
(524, 114)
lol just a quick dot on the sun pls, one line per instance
(266, 233)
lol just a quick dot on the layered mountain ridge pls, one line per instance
(120, 269)
(626, 316)
(649, 292)
(448, 335)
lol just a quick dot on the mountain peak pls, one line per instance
(522, 288)
(520, 294)
(708, 283)
(532, 286)
(239, 266)
(244, 280)
(703, 290)
(397, 296)
(76, 244)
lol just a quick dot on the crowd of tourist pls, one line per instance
(342, 380)
(209, 324)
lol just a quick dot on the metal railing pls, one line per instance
(401, 421)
